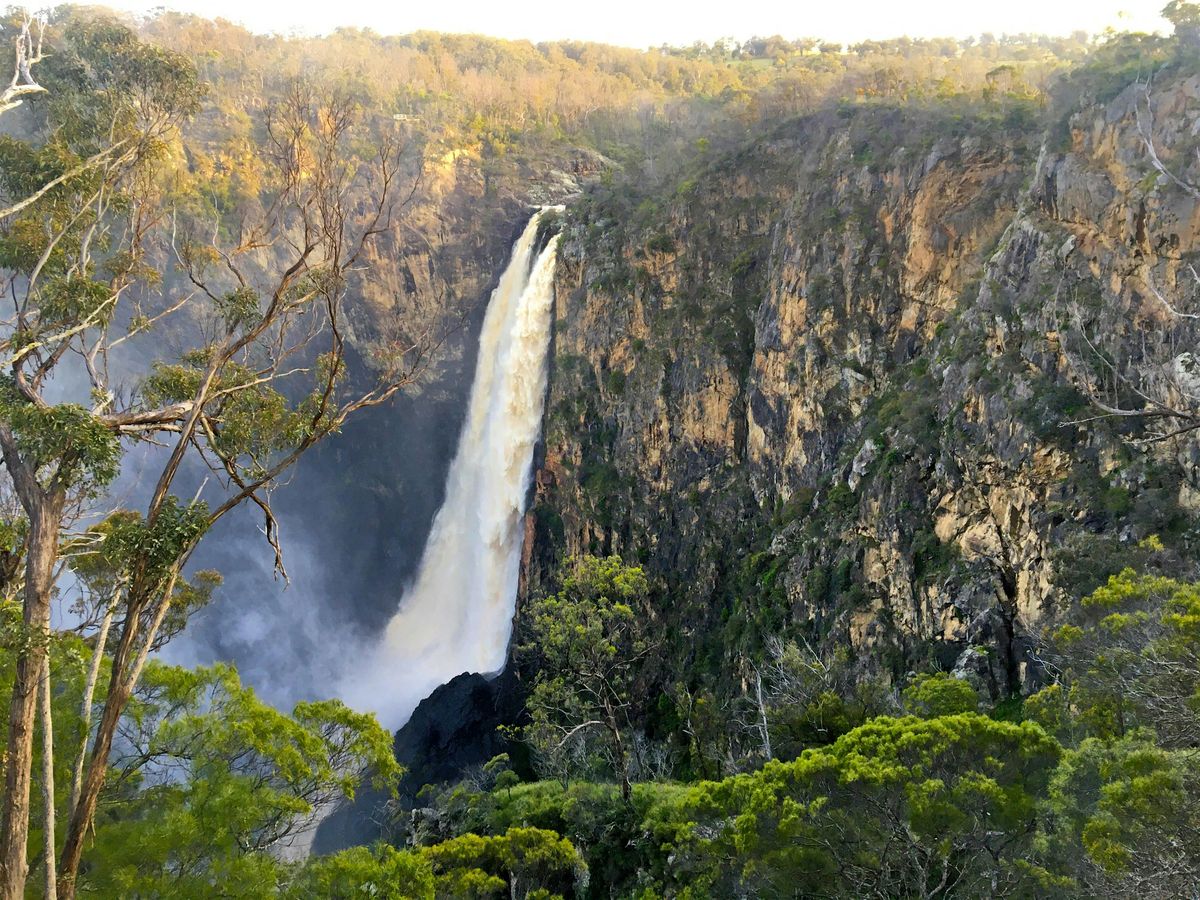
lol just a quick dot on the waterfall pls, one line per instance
(457, 615)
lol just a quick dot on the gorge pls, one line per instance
(762, 390)
(441, 467)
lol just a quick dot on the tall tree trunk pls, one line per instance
(122, 680)
(623, 765)
(764, 727)
(48, 779)
(44, 523)
(89, 694)
(85, 808)
(619, 751)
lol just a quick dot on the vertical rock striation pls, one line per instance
(835, 383)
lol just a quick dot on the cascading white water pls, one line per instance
(457, 615)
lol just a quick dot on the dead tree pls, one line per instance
(1158, 386)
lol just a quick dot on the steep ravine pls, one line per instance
(379, 484)
(830, 385)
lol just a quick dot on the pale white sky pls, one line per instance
(640, 23)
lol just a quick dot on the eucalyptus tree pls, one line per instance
(112, 247)
(897, 807)
(211, 780)
(591, 639)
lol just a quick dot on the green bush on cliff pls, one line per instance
(939, 694)
(889, 809)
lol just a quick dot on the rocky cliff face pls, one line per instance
(437, 265)
(837, 384)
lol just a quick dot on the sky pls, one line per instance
(643, 23)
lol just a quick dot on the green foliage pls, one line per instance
(1125, 660)
(65, 441)
(107, 92)
(383, 873)
(1125, 696)
(521, 863)
(932, 556)
(949, 800)
(212, 778)
(1130, 805)
(1087, 561)
(158, 547)
(951, 797)
(238, 307)
(940, 694)
(251, 419)
(1112, 67)
(207, 780)
(660, 243)
(1181, 13)
(588, 638)
(127, 78)
(608, 832)
(615, 382)
(1185, 19)
(592, 617)
(811, 701)
(66, 301)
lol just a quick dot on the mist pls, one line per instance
(353, 515)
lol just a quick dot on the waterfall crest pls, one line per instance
(457, 615)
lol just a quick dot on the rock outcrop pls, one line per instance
(454, 730)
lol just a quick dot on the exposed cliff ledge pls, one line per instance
(832, 384)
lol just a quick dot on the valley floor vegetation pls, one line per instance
(1089, 787)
